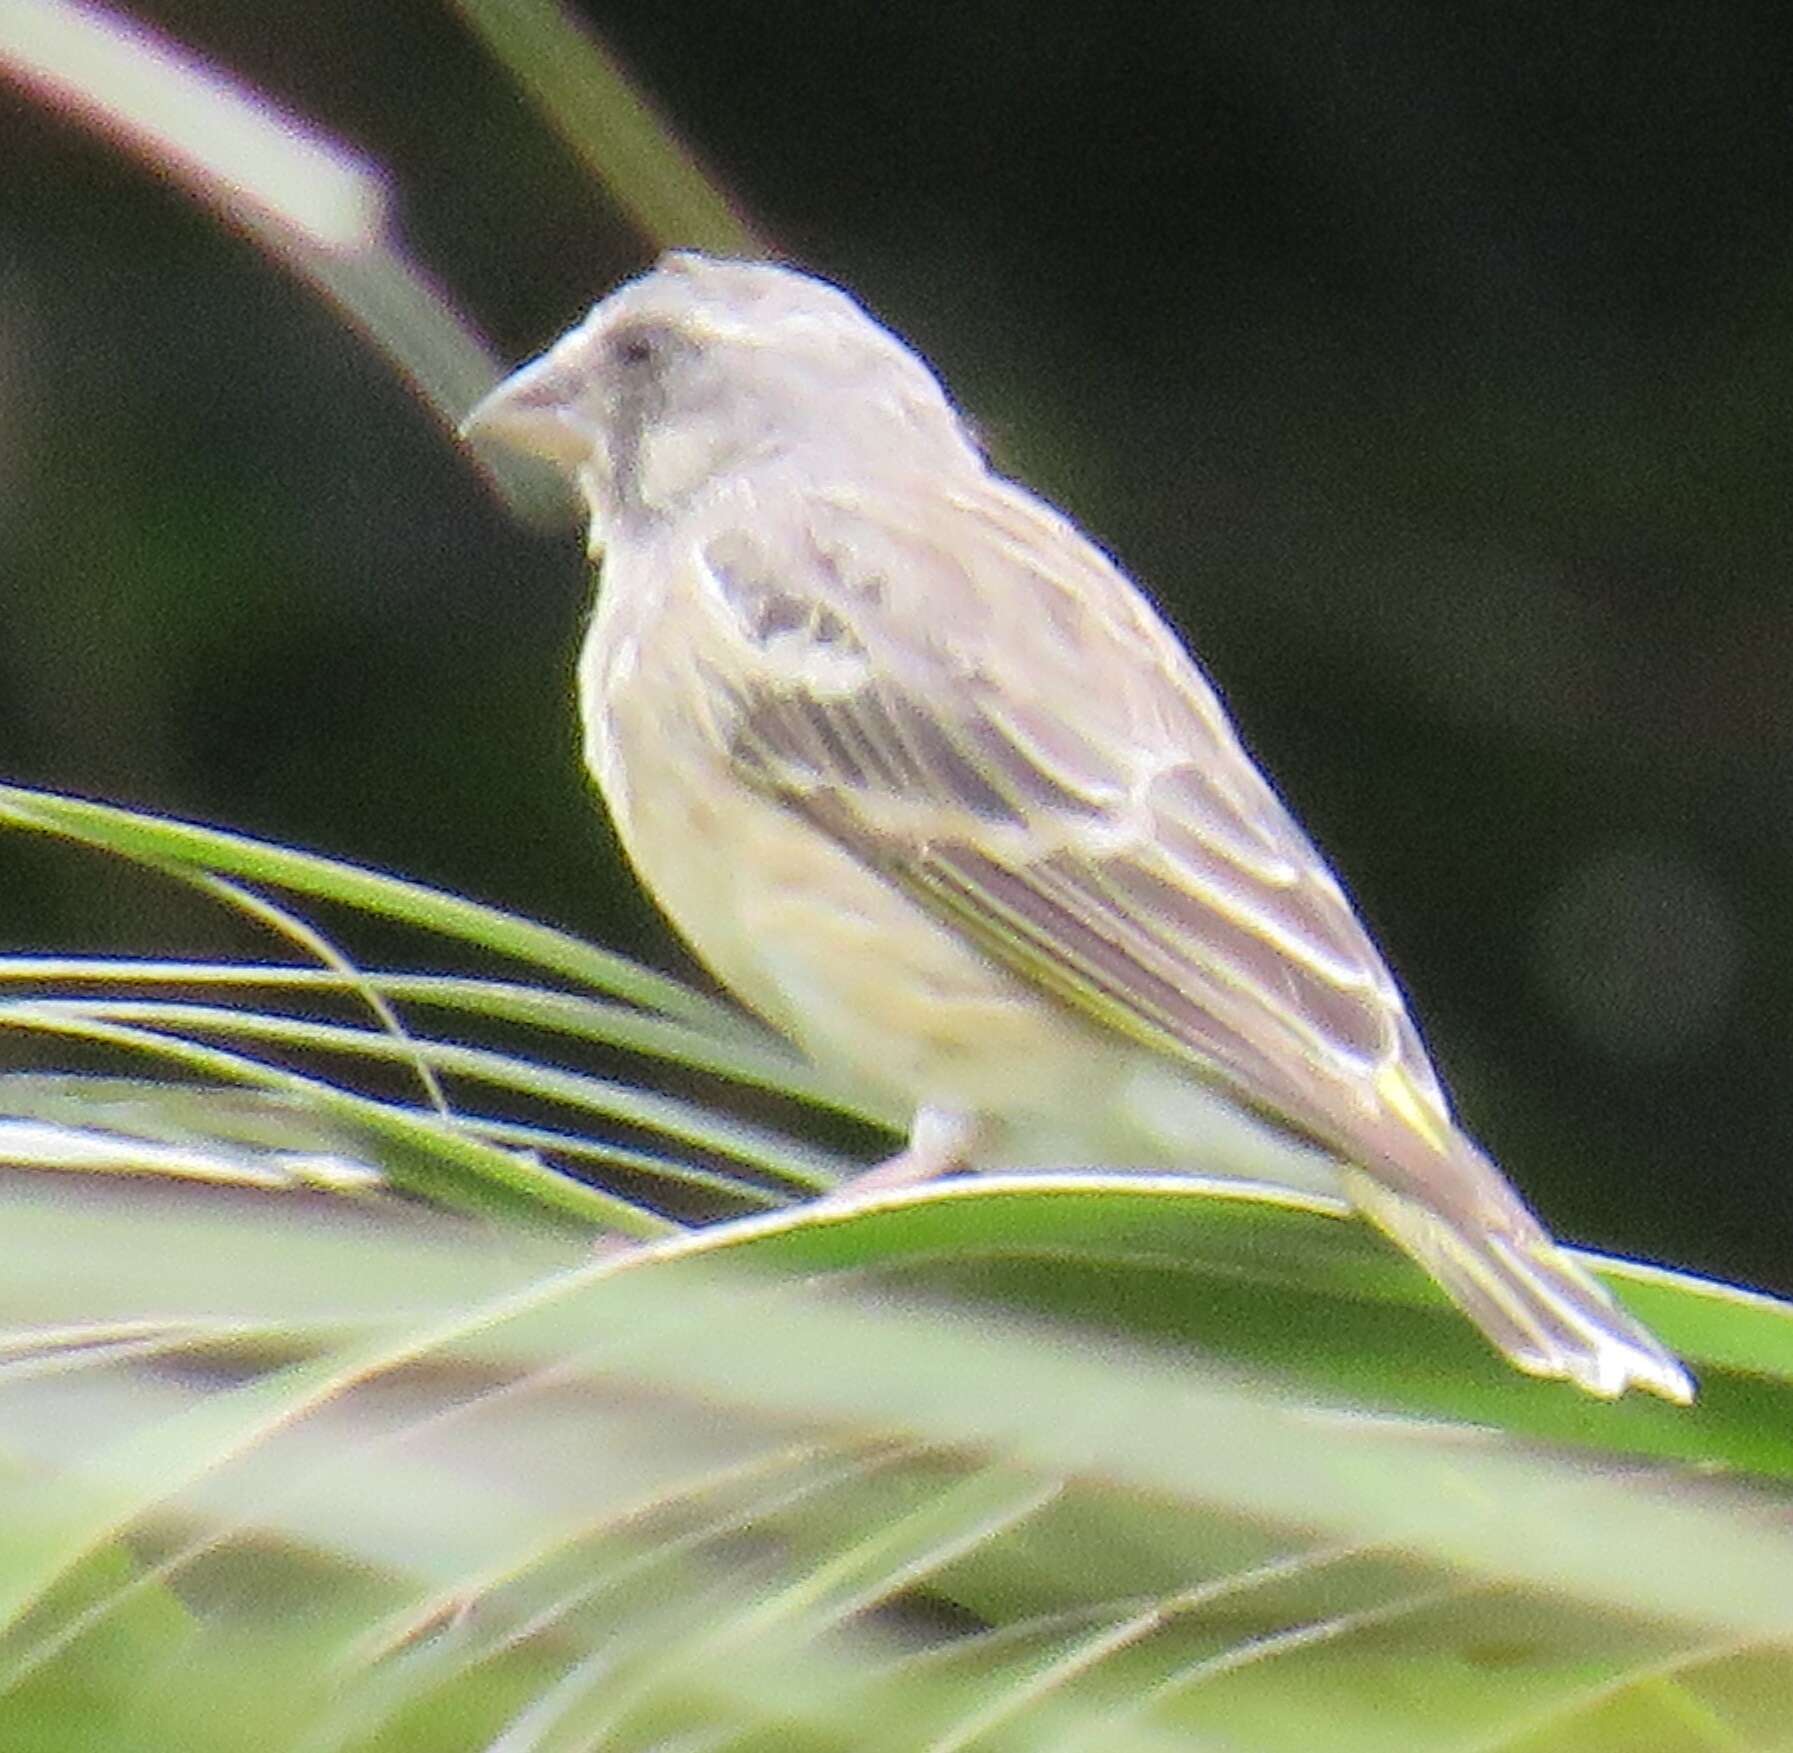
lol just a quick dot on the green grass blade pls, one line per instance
(686, 1122)
(434, 1156)
(764, 1063)
(597, 109)
(159, 840)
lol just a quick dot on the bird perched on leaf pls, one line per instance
(925, 779)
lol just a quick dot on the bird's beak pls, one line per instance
(536, 410)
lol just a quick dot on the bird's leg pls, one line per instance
(940, 1143)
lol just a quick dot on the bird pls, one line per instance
(926, 780)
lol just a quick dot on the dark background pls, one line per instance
(1431, 365)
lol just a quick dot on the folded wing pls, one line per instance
(991, 716)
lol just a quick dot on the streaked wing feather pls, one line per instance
(1129, 860)
(1063, 932)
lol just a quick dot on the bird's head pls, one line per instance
(704, 367)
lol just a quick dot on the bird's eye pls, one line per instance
(634, 349)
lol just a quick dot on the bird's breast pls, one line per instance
(823, 947)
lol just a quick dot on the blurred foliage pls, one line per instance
(306, 1480)
(1429, 366)
(319, 1431)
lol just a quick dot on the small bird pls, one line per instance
(926, 780)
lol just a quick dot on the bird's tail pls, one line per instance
(1526, 1294)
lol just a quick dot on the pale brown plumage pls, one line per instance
(927, 780)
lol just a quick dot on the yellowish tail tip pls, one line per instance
(1532, 1301)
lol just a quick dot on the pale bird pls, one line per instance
(927, 781)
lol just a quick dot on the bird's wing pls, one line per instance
(976, 702)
